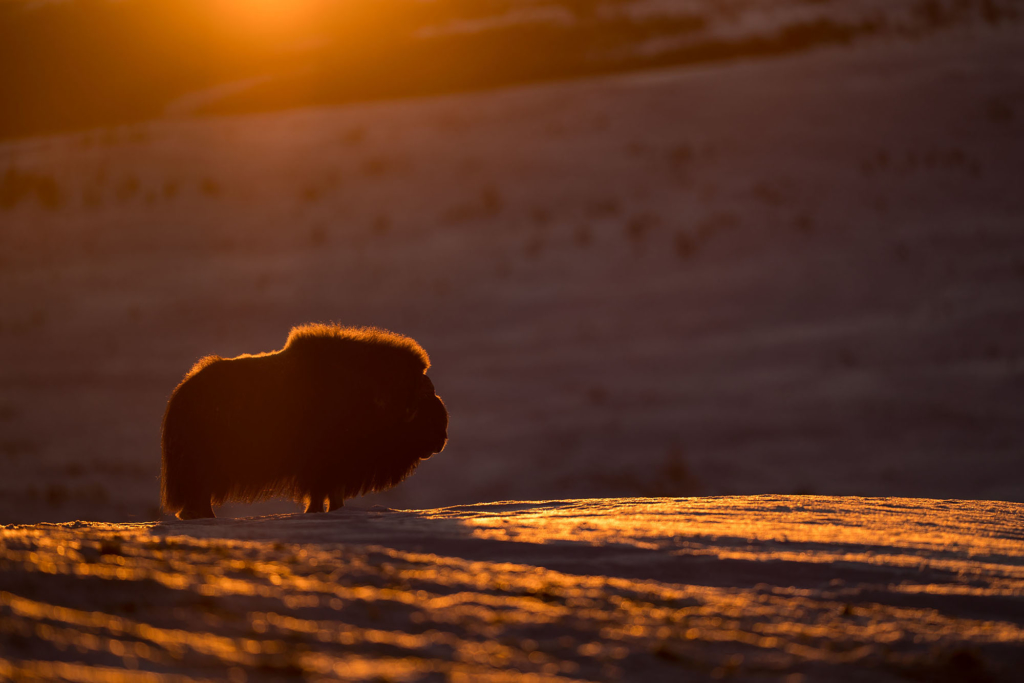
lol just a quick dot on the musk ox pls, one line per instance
(337, 412)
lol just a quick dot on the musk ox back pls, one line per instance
(337, 412)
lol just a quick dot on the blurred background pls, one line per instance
(653, 247)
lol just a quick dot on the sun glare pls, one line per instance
(270, 17)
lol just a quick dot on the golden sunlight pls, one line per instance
(270, 17)
(588, 589)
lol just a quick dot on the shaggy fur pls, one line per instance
(337, 412)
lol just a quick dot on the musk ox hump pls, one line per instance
(371, 341)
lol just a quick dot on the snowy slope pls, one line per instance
(759, 588)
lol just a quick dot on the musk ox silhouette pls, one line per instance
(337, 412)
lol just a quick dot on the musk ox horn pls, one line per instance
(337, 412)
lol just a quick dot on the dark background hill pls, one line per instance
(76, 64)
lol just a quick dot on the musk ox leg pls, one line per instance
(315, 502)
(196, 510)
(335, 502)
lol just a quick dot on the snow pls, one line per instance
(773, 588)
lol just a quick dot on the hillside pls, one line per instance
(79, 64)
(796, 275)
(756, 588)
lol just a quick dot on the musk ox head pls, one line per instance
(337, 412)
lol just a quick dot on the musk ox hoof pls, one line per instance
(315, 504)
(324, 504)
(196, 511)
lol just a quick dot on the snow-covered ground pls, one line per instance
(747, 588)
(798, 274)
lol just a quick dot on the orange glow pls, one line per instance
(235, 592)
(270, 17)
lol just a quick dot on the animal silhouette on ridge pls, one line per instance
(337, 412)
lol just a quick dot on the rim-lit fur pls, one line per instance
(336, 413)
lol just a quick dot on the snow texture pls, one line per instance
(753, 588)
